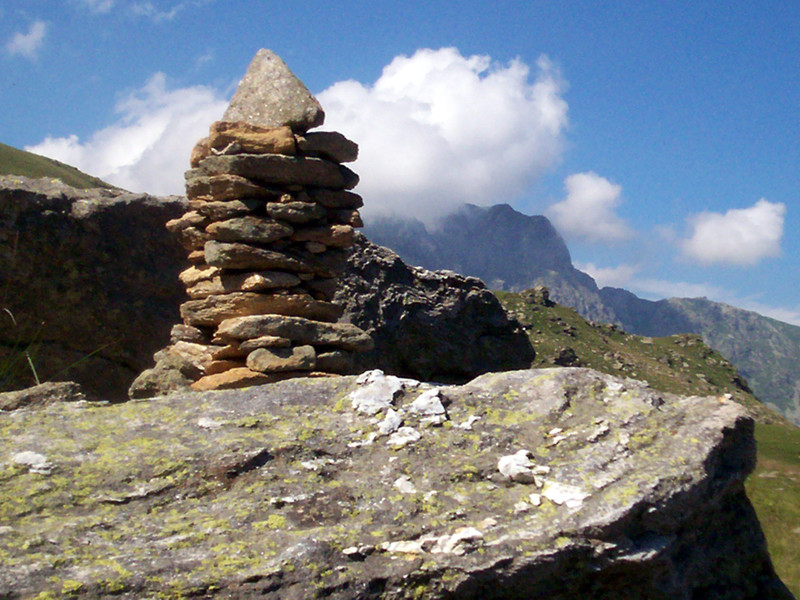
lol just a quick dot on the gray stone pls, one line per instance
(270, 95)
(279, 170)
(335, 361)
(223, 186)
(187, 333)
(265, 341)
(337, 199)
(299, 330)
(277, 360)
(328, 144)
(249, 229)
(431, 325)
(234, 255)
(220, 211)
(226, 283)
(296, 212)
(43, 394)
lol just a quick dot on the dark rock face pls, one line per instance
(91, 279)
(503, 247)
(437, 326)
(536, 484)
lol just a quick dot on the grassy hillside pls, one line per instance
(27, 164)
(774, 490)
(682, 364)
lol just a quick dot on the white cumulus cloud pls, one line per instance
(740, 236)
(588, 210)
(618, 277)
(438, 129)
(28, 44)
(147, 149)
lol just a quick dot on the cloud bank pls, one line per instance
(438, 129)
(28, 44)
(588, 210)
(617, 277)
(147, 149)
(742, 237)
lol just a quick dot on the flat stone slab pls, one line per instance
(270, 95)
(235, 255)
(223, 186)
(277, 169)
(285, 491)
(249, 229)
(297, 329)
(215, 309)
(279, 360)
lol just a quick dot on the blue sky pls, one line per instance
(660, 137)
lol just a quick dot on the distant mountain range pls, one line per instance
(512, 251)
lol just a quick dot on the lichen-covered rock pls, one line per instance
(433, 325)
(286, 491)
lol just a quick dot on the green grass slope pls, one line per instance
(681, 364)
(774, 490)
(27, 164)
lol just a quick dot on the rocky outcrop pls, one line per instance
(556, 484)
(431, 325)
(92, 280)
(501, 246)
(88, 283)
(270, 218)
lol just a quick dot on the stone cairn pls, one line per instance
(270, 219)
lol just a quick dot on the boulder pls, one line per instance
(538, 484)
(90, 278)
(43, 394)
(270, 95)
(432, 325)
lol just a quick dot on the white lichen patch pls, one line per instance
(376, 392)
(405, 485)
(564, 494)
(36, 463)
(403, 437)
(518, 467)
(391, 422)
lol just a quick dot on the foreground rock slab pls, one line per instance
(287, 491)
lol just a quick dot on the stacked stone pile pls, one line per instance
(271, 216)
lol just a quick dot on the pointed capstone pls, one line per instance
(270, 95)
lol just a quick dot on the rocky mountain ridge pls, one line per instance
(512, 251)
